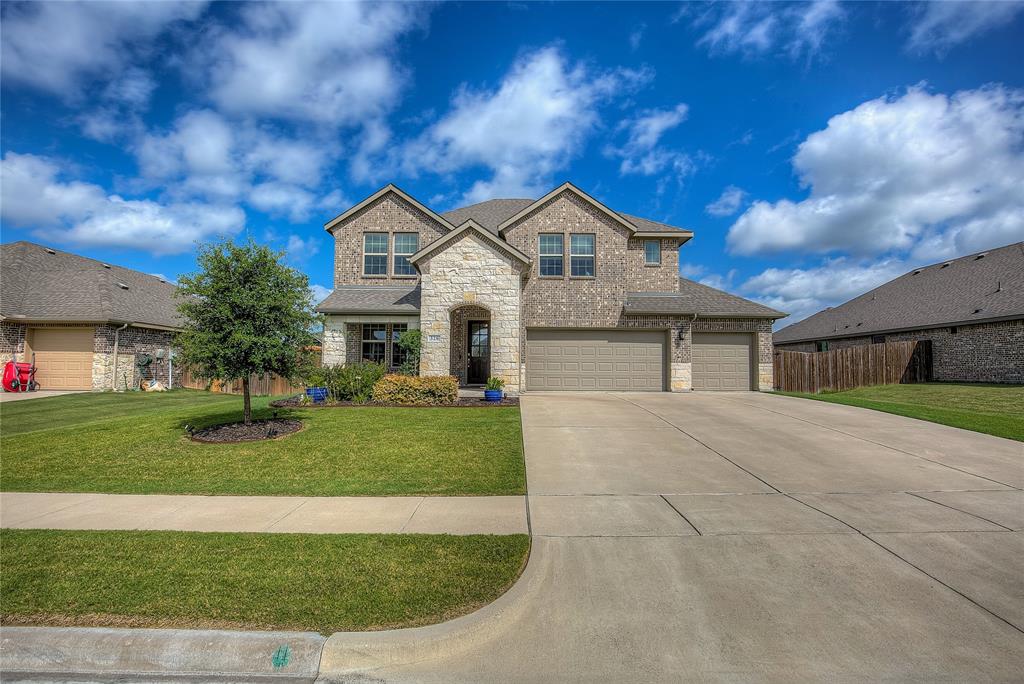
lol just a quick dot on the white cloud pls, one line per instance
(801, 292)
(531, 125)
(319, 293)
(757, 28)
(58, 46)
(935, 173)
(728, 202)
(300, 250)
(636, 36)
(938, 26)
(35, 196)
(641, 154)
(327, 62)
(281, 199)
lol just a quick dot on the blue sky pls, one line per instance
(815, 149)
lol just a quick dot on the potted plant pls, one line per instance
(316, 385)
(493, 389)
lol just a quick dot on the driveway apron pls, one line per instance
(741, 537)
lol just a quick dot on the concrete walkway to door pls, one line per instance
(747, 537)
(315, 515)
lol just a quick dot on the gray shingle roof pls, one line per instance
(695, 298)
(492, 213)
(970, 289)
(36, 285)
(372, 299)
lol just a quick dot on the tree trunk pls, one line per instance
(247, 411)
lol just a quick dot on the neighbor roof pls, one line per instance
(985, 286)
(371, 299)
(40, 284)
(696, 299)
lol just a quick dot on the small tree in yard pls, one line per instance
(245, 313)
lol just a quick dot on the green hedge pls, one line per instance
(405, 389)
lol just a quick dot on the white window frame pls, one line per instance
(396, 330)
(541, 256)
(375, 254)
(396, 255)
(647, 261)
(573, 255)
(363, 341)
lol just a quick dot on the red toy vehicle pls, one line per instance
(20, 377)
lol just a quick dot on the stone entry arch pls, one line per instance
(461, 317)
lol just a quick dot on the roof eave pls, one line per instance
(466, 227)
(389, 188)
(887, 331)
(557, 191)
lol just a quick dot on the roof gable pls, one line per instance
(566, 187)
(390, 188)
(470, 227)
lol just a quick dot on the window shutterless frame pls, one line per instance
(551, 249)
(398, 355)
(406, 245)
(582, 255)
(652, 252)
(374, 339)
(375, 254)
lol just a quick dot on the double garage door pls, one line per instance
(632, 360)
(626, 360)
(63, 357)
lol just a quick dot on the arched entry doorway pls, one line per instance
(471, 344)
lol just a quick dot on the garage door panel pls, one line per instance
(722, 361)
(595, 360)
(63, 357)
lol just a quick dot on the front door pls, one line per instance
(479, 346)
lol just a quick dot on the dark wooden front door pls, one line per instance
(478, 345)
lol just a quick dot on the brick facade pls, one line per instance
(980, 352)
(132, 343)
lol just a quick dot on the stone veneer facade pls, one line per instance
(473, 279)
(132, 342)
(979, 352)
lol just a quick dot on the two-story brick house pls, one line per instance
(560, 293)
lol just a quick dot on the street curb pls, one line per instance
(351, 652)
(98, 654)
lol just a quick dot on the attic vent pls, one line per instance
(977, 311)
(916, 272)
(106, 265)
(981, 256)
(945, 265)
(122, 286)
(50, 251)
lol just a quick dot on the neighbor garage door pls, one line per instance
(595, 360)
(721, 361)
(63, 357)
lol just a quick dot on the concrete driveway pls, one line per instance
(746, 537)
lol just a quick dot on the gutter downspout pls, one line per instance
(117, 340)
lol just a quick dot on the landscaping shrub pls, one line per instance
(353, 382)
(406, 389)
(411, 342)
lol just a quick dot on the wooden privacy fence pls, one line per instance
(886, 363)
(267, 384)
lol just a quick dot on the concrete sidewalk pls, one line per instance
(316, 515)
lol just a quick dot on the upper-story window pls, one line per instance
(375, 254)
(652, 252)
(581, 255)
(406, 245)
(552, 254)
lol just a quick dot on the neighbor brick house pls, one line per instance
(971, 308)
(559, 293)
(75, 313)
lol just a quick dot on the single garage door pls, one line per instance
(721, 361)
(628, 360)
(63, 357)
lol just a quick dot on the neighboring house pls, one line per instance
(559, 293)
(971, 308)
(74, 313)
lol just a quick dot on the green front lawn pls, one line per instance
(993, 409)
(135, 443)
(322, 583)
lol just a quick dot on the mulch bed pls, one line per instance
(463, 402)
(240, 432)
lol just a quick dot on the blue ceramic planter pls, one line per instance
(492, 395)
(317, 394)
